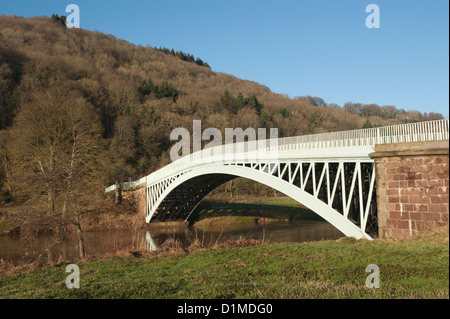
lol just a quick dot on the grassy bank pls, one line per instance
(412, 268)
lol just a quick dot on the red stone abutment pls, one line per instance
(412, 187)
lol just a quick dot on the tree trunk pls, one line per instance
(118, 193)
(81, 250)
(51, 201)
(51, 192)
(64, 210)
(80, 242)
(7, 176)
(69, 178)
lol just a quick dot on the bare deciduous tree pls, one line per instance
(56, 142)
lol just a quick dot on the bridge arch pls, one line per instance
(164, 193)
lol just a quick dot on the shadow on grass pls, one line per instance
(276, 209)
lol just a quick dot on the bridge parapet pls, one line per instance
(401, 133)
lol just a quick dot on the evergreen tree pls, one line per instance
(190, 58)
(59, 19)
(227, 100)
(199, 62)
(239, 103)
(254, 103)
(147, 88)
(265, 118)
(167, 90)
(285, 112)
(180, 54)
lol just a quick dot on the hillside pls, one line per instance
(80, 107)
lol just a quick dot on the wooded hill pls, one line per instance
(80, 108)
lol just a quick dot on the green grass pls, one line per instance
(273, 207)
(413, 268)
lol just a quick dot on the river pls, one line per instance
(100, 243)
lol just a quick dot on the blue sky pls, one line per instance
(304, 47)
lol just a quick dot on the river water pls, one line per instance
(101, 243)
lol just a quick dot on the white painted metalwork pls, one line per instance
(316, 170)
(292, 180)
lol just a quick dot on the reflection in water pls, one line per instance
(150, 243)
(100, 243)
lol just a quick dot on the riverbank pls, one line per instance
(412, 268)
(31, 219)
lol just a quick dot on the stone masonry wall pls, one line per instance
(412, 185)
(138, 197)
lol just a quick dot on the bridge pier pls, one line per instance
(139, 197)
(412, 187)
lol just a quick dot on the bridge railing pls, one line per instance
(125, 185)
(401, 133)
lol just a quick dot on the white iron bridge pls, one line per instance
(330, 173)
